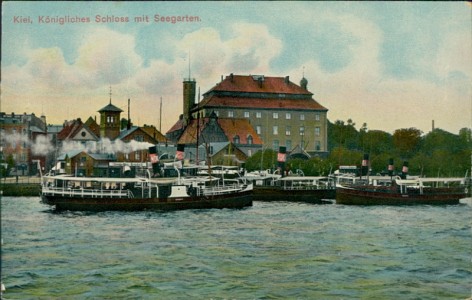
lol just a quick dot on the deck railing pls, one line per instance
(93, 193)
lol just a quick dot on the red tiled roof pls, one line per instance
(70, 129)
(240, 127)
(250, 84)
(177, 126)
(189, 136)
(93, 126)
(261, 103)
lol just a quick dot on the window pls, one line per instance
(317, 117)
(137, 155)
(275, 144)
(217, 113)
(246, 114)
(302, 117)
(258, 115)
(258, 129)
(288, 130)
(230, 114)
(288, 144)
(249, 140)
(275, 130)
(317, 145)
(288, 116)
(249, 152)
(139, 138)
(127, 156)
(236, 139)
(302, 130)
(317, 131)
(275, 115)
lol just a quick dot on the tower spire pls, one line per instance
(110, 94)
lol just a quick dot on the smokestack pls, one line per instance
(154, 159)
(281, 158)
(179, 155)
(365, 165)
(405, 169)
(391, 167)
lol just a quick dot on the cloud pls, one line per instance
(107, 57)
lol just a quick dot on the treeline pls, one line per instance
(437, 153)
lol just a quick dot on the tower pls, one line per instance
(189, 86)
(110, 121)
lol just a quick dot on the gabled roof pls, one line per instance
(93, 126)
(258, 84)
(156, 134)
(189, 136)
(179, 125)
(70, 129)
(261, 103)
(230, 126)
(126, 132)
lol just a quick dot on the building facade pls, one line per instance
(281, 112)
(23, 141)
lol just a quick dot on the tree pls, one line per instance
(407, 141)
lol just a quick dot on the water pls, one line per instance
(276, 250)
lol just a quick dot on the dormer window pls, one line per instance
(236, 139)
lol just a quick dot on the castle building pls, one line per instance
(281, 112)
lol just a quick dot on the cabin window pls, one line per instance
(137, 155)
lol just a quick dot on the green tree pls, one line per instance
(407, 141)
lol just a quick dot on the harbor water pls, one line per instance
(272, 250)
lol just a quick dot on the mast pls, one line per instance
(160, 115)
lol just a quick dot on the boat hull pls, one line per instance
(239, 200)
(353, 196)
(275, 193)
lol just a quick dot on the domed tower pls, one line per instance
(110, 121)
(304, 83)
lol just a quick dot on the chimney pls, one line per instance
(231, 77)
(260, 81)
(287, 79)
(128, 125)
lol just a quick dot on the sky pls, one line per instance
(390, 65)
